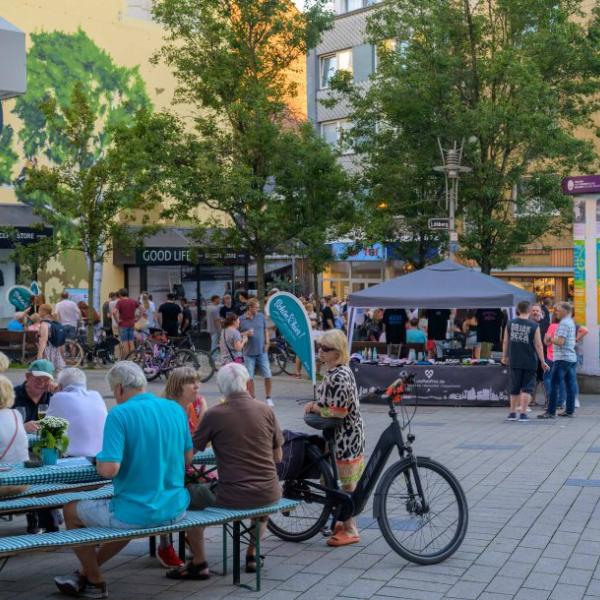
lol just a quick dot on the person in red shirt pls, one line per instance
(126, 312)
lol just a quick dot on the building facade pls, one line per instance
(545, 268)
(103, 42)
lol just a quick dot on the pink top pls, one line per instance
(550, 348)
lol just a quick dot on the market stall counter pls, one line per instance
(437, 384)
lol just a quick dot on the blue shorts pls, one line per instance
(261, 361)
(126, 334)
(97, 513)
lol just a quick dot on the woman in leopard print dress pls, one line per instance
(337, 396)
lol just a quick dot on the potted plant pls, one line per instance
(51, 439)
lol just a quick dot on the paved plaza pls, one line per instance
(534, 531)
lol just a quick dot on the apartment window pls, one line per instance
(139, 9)
(333, 132)
(529, 199)
(332, 63)
(344, 6)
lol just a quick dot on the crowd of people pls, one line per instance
(145, 444)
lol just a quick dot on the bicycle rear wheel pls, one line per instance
(428, 527)
(306, 521)
(73, 354)
(184, 358)
(206, 366)
(277, 361)
(147, 360)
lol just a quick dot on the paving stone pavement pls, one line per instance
(534, 533)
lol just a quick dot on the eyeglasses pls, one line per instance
(326, 349)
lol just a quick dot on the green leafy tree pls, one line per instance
(233, 60)
(94, 195)
(517, 79)
(8, 157)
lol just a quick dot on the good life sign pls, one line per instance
(290, 317)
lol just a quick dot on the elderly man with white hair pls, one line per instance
(84, 409)
(247, 442)
(145, 450)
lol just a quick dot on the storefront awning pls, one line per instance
(25, 226)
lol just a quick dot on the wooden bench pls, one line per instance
(229, 519)
(19, 345)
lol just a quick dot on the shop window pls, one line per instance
(367, 271)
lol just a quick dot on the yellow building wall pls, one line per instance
(130, 38)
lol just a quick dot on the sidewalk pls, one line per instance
(534, 532)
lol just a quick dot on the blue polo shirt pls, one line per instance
(148, 436)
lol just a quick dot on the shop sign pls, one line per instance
(376, 252)
(439, 224)
(22, 235)
(583, 184)
(186, 256)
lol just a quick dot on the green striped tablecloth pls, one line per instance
(69, 471)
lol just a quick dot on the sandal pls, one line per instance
(342, 538)
(252, 563)
(190, 571)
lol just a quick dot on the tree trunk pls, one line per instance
(316, 299)
(260, 277)
(91, 265)
(95, 299)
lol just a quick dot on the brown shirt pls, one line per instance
(243, 433)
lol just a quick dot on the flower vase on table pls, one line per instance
(52, 440)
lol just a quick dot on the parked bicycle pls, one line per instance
(419, 505)
(160, 359)
(102, 352)
(281, 357)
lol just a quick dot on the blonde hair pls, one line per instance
(7, 393)
(35, 318)
(145, 300)
(46, 308)
(4, 362)
(335, 338)
(179, 377)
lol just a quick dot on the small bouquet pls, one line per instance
(52, 434)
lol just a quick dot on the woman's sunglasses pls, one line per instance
(326, 349)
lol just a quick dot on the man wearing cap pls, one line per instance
(37, 389)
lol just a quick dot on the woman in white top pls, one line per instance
(13, 439)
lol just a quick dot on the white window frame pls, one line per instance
(325, 85)
(341, 125)
(532, 207)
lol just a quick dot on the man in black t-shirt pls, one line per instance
(186, 313)
(327, 315)
(521, 349)
(437, 323)
(170, 316)
(394, 325)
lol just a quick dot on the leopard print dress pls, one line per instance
(337, 396)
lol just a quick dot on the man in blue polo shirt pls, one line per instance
(146, 447)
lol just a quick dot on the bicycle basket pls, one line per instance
(322, 423)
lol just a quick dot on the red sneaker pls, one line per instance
(168, 558)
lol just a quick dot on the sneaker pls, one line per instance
(72, 584)
(577, 404)
(523, 418)
(94, 590)
(546, 415)
(511, 417)
(270, 402)
(168, 558)
(566, 414)
(528, 409)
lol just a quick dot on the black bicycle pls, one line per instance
(419, 505)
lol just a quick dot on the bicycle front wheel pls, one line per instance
(276, 361)
(422, 510)
(306, 521)
(73, 354)
(206, 366)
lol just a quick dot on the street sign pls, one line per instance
(439, 224)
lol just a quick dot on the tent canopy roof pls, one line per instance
(444, 285)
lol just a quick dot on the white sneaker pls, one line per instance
(270, 402)
(577, 405)
(529, 409)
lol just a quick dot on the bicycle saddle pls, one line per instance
(323, 423)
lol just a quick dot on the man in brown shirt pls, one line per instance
(247, 441)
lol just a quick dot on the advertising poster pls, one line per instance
(579, 280)
(579, 219)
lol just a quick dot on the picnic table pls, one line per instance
(69, 470)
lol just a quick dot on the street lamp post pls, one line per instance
(452, 170)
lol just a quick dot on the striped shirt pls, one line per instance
(566, 352)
